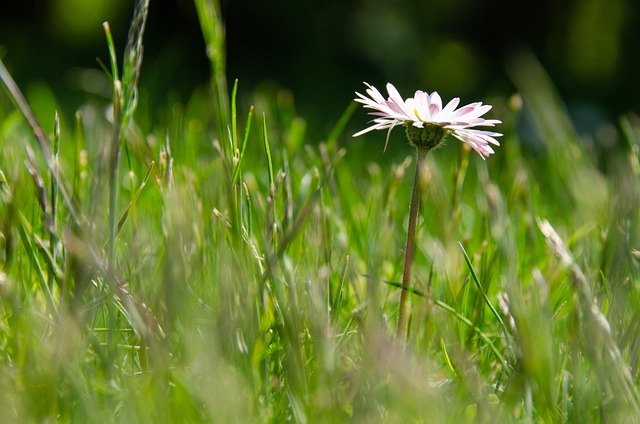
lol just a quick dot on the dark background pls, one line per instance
(322, 51)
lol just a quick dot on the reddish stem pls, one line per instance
(401, 330)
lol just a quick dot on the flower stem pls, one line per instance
(421, 156)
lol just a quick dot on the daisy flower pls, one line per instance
(424, 111)
(427, 123)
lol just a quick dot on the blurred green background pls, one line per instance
(322, 51)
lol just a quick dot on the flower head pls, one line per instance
(425, 110)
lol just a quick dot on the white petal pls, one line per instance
(436, 101)
(394, 95)
(422, 106)
(378, 126)
(449, 108)
(478, 110)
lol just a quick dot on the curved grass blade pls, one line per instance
(456, 314)
(247, 130)
(475, 279)
(267, 151)
(43, 141)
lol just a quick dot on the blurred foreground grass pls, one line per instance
(237, 269)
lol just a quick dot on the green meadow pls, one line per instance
(226, 264)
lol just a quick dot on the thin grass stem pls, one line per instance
(113, 169)
(53, 193)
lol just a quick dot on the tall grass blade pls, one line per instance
(245, 139)
(214, 37)
(234, 118)
(25, 233)
(113, 59)
(132, 62)
(114, 153)
(340, 126)
(475, 279)
(267, 152)
(21, 103)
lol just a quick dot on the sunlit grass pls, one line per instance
(240, 269)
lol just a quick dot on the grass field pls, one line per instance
(227, 266)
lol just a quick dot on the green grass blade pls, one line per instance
(247, 131)
(132, 202)
(213, 32)
(115, 75)
(114, 153)
(267, 151)
(475, 279)
(477, 330)
(25, 235)
(234, 118)
(455, 313)
(21, 103)
(342, 123)
(132, 62)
